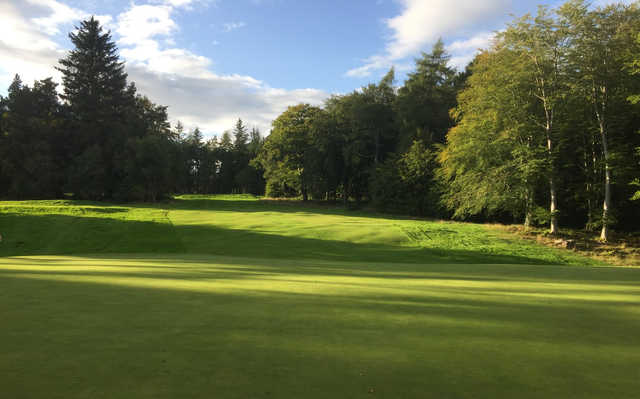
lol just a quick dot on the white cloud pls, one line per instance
(422, 22)
(177, 3)
(185, 82)
(463, 51)
(26, 46)
(60, 14)
(188, 4)
(143, 22)
(602, 3)
(169, 75)
(228, 27)
(215, 102)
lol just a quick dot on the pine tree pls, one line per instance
(241, 137)
(427, 96)
(93, 75)
(95, 89)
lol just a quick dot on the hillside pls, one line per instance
(244, 226)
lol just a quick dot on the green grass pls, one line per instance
(228, 297)
(243, 226)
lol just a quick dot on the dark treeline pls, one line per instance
(100, 140)
(540, 128)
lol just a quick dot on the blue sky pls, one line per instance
(212, 61)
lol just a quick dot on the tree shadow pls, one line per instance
(220, 204)
(66, 234)
(89, 329)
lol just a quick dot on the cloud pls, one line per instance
(60, 14)
(228, 27)
(26, 46)
(215, 102)
(185, 81)
(167, 74)
(463, 51)
(422, 22)
(188, 4)
(143, 22)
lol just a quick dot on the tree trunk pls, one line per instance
(606, 206)
(528, 217)
(553, 208)
(601, 108)
(527, 220)
(587, 174)
(345, 192)
(303, 187)
(377, 152)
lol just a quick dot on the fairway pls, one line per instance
(230, 297)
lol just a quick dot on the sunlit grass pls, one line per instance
(243, 226)
(229, 297)
(203, 326)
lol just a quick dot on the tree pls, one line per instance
(240, 136)
(95, 89)
(427, 96)
(93, 75)
(194, 147)
(493, 157)
(226, 142)
(285, 153)
(31, 156)
(601, 40)
(543, 43)
(635, 99)
(404, 183)
(149, 164)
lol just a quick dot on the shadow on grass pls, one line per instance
(221, 204)
(65, 234)
(202, 341)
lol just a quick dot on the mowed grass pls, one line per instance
(229, 297)
(243, 226)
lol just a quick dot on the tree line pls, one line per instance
(541, 128)
(101, 140)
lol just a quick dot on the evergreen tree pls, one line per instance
(427, 96)
(93, 75)
(240, 136)
(31, 138)
(226, 142)
(95, 89)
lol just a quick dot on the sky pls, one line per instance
(214, 61)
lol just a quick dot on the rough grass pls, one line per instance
(234, 298)
(621, 249)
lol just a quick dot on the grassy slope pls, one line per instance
(242, 226)
(246, 299)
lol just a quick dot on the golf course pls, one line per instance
(237, 297)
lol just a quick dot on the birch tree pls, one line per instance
(543, 43)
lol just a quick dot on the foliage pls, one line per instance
(405, 183)
(286, 153)
(426, 97)
(539, 128)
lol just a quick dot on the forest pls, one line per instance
(541, 128)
